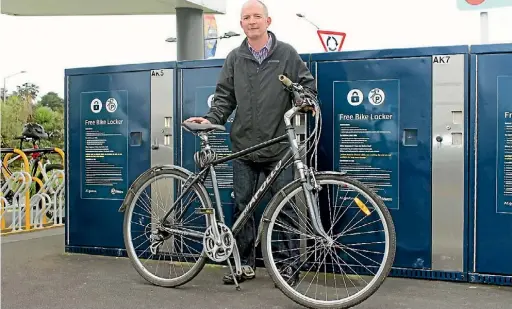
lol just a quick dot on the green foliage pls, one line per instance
(21, 107)
(14, 115)
(53, 101)
(52, 122)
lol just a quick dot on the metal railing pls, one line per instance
(31, 194)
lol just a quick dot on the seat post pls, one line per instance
(204, 140)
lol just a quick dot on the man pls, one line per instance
(249, 82)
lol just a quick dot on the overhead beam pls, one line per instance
(107, 7)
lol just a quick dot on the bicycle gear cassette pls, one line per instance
(156, 240)
(218, 252)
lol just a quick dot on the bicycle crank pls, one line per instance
(218, 250)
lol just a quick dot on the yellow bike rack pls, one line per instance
(6, 161)
(61, 153)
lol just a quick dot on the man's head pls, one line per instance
(254, 19)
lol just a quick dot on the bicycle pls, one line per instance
(218, 240)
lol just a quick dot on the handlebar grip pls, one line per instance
(285, 80)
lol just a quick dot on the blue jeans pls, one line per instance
(245, 183)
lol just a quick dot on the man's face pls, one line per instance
(254, 21)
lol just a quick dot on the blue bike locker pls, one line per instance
(490, 221)
(115, 116)
(409, 142)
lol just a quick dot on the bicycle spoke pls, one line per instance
(330, 272)
(173, 256)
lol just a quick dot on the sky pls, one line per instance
(46, 46)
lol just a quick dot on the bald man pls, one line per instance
(249, 83)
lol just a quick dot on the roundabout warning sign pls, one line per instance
(332, 41)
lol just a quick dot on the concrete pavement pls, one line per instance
(38, 274)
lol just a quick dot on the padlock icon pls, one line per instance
(96, 106)
(355, 97)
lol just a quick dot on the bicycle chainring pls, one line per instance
(218, 252)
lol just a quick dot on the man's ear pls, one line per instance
(269, 21)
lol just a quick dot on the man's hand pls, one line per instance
(309, 108)
(198, 120)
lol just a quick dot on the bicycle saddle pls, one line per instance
(201, 127)
(34, 130)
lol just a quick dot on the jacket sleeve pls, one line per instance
(224, 102)
(302, 74)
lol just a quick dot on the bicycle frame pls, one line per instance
(210, 168)
(292, 153)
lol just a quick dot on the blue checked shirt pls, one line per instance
(263, 53)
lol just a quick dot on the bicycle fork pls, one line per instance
(309, 183)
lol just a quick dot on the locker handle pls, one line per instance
(155, 145)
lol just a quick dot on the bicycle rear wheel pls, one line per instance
(147, 248)
(300, 252)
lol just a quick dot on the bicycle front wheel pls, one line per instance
(167, 259)
(317, 273)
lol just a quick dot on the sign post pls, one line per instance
(332, 41)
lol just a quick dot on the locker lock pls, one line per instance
(439, 138)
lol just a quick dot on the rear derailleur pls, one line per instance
(157, 238)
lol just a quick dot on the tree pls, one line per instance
(2, 92)
(52, 101)
(14, 115)
(28, 92)
(19, 109)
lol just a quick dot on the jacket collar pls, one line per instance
(244, 47)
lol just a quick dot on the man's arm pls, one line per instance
(302, 74)
(223, 103)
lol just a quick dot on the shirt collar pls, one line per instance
(267, 46)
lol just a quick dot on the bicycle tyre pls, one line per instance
(270, 212)
(134, 191)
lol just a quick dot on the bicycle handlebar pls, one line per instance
(296, 90)
(29, 150)
(285, 80)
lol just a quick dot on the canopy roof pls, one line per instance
(107, 7)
